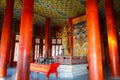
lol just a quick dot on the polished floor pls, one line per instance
(37, 76)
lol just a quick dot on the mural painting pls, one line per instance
(80, 39)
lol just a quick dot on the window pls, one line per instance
(53, 41)
(16, 51)
(43, 41)
(53, 50)
(56, 47)
(59, 41)
(36, 51)
(37, 40)
(37, 48)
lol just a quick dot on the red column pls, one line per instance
(5, 39)
(94, 46)
(12, 47)
(47, 46)
(12, 43)
(112, 40)
(71, 36)
(25, 46)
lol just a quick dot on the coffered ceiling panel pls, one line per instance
(57, 10)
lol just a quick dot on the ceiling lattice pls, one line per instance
(58, 10)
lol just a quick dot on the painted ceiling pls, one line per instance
(58, 10)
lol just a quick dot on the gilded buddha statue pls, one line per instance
(64, 35)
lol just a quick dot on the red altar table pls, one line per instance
(45, 68)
